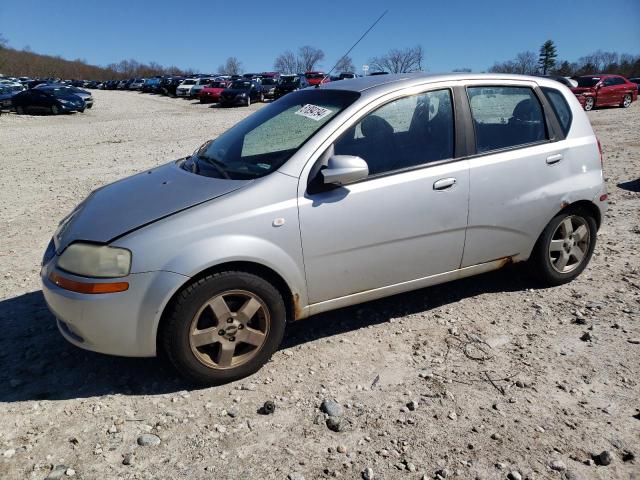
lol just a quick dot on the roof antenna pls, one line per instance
(352, 47)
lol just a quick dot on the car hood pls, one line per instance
(133, 202)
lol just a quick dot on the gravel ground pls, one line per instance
(488, 377)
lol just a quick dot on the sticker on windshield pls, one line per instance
(313, 112)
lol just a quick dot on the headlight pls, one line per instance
(89, 260)
(242, 94)
(64, 102)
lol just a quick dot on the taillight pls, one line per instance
(601, 156)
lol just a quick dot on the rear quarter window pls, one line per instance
(560, 107)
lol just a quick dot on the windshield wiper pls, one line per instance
(217, 164)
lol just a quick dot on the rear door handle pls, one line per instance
(444, 183)
(551, 159)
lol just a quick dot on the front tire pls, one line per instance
(55, 110)
(626, 101)
(589, 103)
(20, 110)
(224, 327)
(564, 248)
(248, 101)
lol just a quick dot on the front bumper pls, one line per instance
(122, 323)
(237, 100)
(183, 93)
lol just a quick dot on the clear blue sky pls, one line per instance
(200, 34)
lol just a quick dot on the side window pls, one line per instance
(560, 107)
(506, 117)
(407, 132)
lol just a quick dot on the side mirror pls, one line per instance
(344, 169)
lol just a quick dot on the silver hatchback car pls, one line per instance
(328, 197)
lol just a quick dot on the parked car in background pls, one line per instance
(149, 84)
(605, 90)
(211, 93)
(348, 75)
(6, 94)
(206, 259)
(136, 84)
(289, 83)
(184, 89)
(268, 85)
(635, 80)
(200, 84)
(316, 78)
(172, 85)
(86, 96)
(48, 99)
(242, 92)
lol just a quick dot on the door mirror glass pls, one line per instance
(344, 169)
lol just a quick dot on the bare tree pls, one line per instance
(232, 66)
(309, 57)
(286, 62)
(345, 64)
(400, 61)
(526, 63)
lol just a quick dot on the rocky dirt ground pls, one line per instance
(488, 377)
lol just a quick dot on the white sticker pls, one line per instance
(313, 112)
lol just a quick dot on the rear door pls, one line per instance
(515, 174)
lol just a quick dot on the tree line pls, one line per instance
(546, 62)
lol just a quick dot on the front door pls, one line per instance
(407, 220)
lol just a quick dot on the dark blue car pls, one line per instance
(52, 100)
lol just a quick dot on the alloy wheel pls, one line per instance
(588, 105)
(229, 329)
(627, 101)
(569, 244)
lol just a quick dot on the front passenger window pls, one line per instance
(407, 132)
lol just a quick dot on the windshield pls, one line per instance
(263, 142)
(241, 85)
(189, 82)
(59, 92)
(587, 81)
(289, 80)
(268, 81)
(216, 85)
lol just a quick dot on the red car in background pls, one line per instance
(211, 93)
(605, 90)
(316, 78)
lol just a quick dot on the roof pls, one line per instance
(400, 80)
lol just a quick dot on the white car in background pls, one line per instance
(184, 89)
(137, 84)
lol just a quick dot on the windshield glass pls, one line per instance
(59, 92)
(268, 81)
(588, 81)
(241, 85)
(263, 142)
(189, 82)
(216, 85)
(289, 80)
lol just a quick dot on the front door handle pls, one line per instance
(551, 159)
(444, 183)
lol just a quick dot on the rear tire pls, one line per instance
(20, 110)
(248, 101)
(223, 327)
(564, 248)
(55, 110)
(626, 101)
(589, 103)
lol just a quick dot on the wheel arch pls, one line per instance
(291, 300)
(587, 205)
